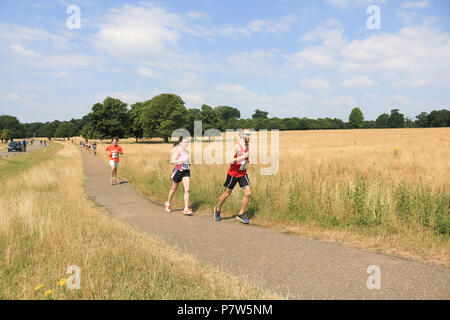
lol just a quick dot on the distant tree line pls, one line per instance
(164, 113)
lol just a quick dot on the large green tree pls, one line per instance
(5, 134)
(49, 129)
(226, 113)
(382, 121)
(396, 119)
(210, 118)
(16, 129)
(439, 118)
(356, 118)
(80, 123)
(422, 120)
(33, 129)
(162, 115)
(259, 114)
(193, 115)
(135, 114)
(107, 120)
(66, 129)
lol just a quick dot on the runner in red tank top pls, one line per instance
(237, 173)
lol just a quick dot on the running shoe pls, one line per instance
(168, 209)
(242, 218)
(217, 215)
(187, 212)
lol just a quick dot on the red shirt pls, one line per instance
(239, 170)
(114, 152)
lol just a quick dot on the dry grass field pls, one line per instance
(381, 189)
(47, 223)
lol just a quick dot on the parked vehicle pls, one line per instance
(15, 146)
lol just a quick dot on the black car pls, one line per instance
(15, 146)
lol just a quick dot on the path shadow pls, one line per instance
(251, 212)
(229, 218)
(196, 205)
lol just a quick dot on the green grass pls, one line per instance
(16, 164)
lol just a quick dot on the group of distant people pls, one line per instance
(180, 158)
(88, 146)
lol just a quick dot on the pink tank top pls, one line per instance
(184, 165)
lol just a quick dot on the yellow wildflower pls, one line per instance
(38, 287)
(46, 293)
(62, 282)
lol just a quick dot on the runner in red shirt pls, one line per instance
(114, 150)
(237, 173)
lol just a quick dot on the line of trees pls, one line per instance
(164, 113)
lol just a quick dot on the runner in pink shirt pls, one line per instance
(181, 159)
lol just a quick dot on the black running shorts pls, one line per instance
(178, 175)
(231, 182)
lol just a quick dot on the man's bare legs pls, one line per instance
(222, 198)
(246, 199)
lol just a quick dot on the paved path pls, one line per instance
(30, 147)
(287, 265)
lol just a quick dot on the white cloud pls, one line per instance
(12, 96)
(139, 31)
(323, 55)
(144, 71)
(413, 56)
(65, 61)
(127, 97)
(316, 85)
(15, 33)
(311, 57)
(416, 4)
(197, 15)
(258, 25)
(254, 63)
(356, 3)
(341, 101)
(149, 31)
(283, 104)
(358, 82)
(63, 74)
(17, 48)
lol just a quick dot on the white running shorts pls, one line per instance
(113, 164)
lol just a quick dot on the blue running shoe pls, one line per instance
(217, 215)
(242, 218)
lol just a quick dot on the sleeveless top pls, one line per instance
(185, 165)
(239, 169)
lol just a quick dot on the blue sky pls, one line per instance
(288, 57)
